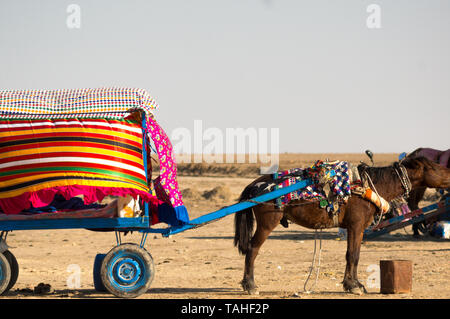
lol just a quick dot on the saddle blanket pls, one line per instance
(339, 185)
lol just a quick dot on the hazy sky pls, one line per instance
(313, 69)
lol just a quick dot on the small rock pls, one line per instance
(25, 291)
(43, 289)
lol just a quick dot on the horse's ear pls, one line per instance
(370, 155)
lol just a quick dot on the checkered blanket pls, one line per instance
(74, 103)
(339, 184)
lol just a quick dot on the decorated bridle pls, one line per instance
(402, 174)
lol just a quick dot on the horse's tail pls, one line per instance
(243, 230)
(243, 225)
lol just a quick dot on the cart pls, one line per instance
(428, 214)
(127, 270)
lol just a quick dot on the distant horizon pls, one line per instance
(354, 153)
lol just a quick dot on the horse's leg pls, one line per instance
(354, 239)
(266, 221)
(413, 202)
(357, 253)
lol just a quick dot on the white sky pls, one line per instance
(311, 68)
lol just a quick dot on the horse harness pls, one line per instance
(402, 174)
(382, 205)
(362, 186)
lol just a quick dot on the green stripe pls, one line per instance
(84, 170)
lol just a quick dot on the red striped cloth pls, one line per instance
(93, 157)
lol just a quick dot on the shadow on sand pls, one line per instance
(94, 294)
(333, 235)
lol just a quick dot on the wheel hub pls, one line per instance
(128, 271)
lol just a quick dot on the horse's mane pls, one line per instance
(377, 174)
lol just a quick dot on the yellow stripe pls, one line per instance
(37, 131)
(70, 182)
(25, 179)
(93, 150)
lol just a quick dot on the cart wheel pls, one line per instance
(98, 284)
(5, 274)
(127, 271)
(14, 266)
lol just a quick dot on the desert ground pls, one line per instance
(203, 263)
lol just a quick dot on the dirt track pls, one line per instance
(203, 263)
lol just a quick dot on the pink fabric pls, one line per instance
(431, 154)
(44, 197)
(166, 185)
(441, 157)
(444, 159)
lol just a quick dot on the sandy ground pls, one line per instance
(203, 263)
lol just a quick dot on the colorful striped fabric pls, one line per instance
(38, 155)
(83, 141)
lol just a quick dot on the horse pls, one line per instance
(437, 156)
(355, 215)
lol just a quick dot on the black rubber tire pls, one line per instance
(14, 265)
(5, 274)
(123, 261)
(98, 283)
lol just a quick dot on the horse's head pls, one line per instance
(426, 173)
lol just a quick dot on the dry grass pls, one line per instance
(286, 161)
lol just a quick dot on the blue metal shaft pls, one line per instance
(90, 223)
(237, 207)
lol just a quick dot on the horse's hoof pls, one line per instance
(357, 291)
(253, 292)
(250, 288)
